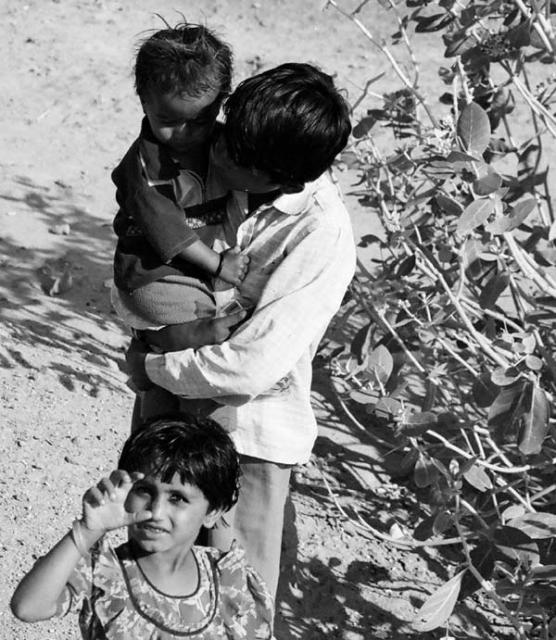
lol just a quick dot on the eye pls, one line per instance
(177, 498)
(140, 489)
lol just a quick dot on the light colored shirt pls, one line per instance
(302, 258)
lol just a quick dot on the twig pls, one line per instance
(391, 59)
(493, 467)
(363, 524)
(485, 584)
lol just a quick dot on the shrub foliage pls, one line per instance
(455, 350)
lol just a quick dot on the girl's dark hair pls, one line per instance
(197, 449)
(187, 58)
(289, 122)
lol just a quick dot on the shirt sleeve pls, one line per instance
(296, 305)
(158, 216)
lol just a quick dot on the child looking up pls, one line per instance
(171, 205)
(175, 475)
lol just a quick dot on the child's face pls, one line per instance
(178, 512)
(236, 177)
(182, 122)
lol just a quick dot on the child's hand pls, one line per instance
(234, 266)
(103, 504)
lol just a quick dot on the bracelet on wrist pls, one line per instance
(78, 537)
(220, 265)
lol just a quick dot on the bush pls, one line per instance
(455, 345)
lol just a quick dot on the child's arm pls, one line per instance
(37, 595)
(230, 266)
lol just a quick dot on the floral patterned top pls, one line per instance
(115, 601)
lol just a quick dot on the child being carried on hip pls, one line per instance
(175, 475)
(171, 202)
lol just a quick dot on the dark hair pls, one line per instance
(290, 122)
(197, 449)
(187, 58)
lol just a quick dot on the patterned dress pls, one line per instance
(115, 601)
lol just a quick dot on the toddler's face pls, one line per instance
(182, 122)
(178, 512)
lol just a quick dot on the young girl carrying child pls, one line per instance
(175, 475)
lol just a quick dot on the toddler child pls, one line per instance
(171, 204)
(175, 476)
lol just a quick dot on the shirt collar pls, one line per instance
(159, 164)
(293, 204)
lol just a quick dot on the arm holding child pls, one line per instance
(296, 304)
(38, 593)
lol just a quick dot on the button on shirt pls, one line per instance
(302, 258)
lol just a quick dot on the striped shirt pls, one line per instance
(302, 258)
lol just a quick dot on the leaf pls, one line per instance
(361, 341)
(406, 266)
(482, 558)
(473, 128)
(504, 377)
(534, 363)
(424, 530)
(493, 289)
(478, 478)
(415, 424)
(442, 521)
(387, 407)
(364, 126)
(513, 511)
(474, 215)
(459, 45)
(484, 391)
(545, 572)
(505, 412)
(514, 545)
(425, 471)
(536, 525)
(535, 422)
(438, 607)
(458, 156)
(513, 219)
(487, 184)
(362, 398)
(435, 22)
(381, 363)
(449, 205)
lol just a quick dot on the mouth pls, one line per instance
(151, 529)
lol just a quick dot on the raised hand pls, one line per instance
(234, 266)
(104, 504)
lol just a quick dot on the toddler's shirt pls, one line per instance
(162, 210)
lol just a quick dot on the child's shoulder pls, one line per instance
(236, 554)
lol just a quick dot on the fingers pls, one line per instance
(139, 516)
(109, 488)
(224, 326)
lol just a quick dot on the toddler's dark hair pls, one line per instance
(197, 449)
(185, 59)
(290, 122)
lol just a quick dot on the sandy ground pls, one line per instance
(69, 113)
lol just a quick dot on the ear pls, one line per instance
(292, 187)
(212, 518)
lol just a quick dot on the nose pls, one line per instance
(156, 507)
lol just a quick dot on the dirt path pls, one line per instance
(69, 114)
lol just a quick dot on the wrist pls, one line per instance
(84, 538)
(220, 265)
